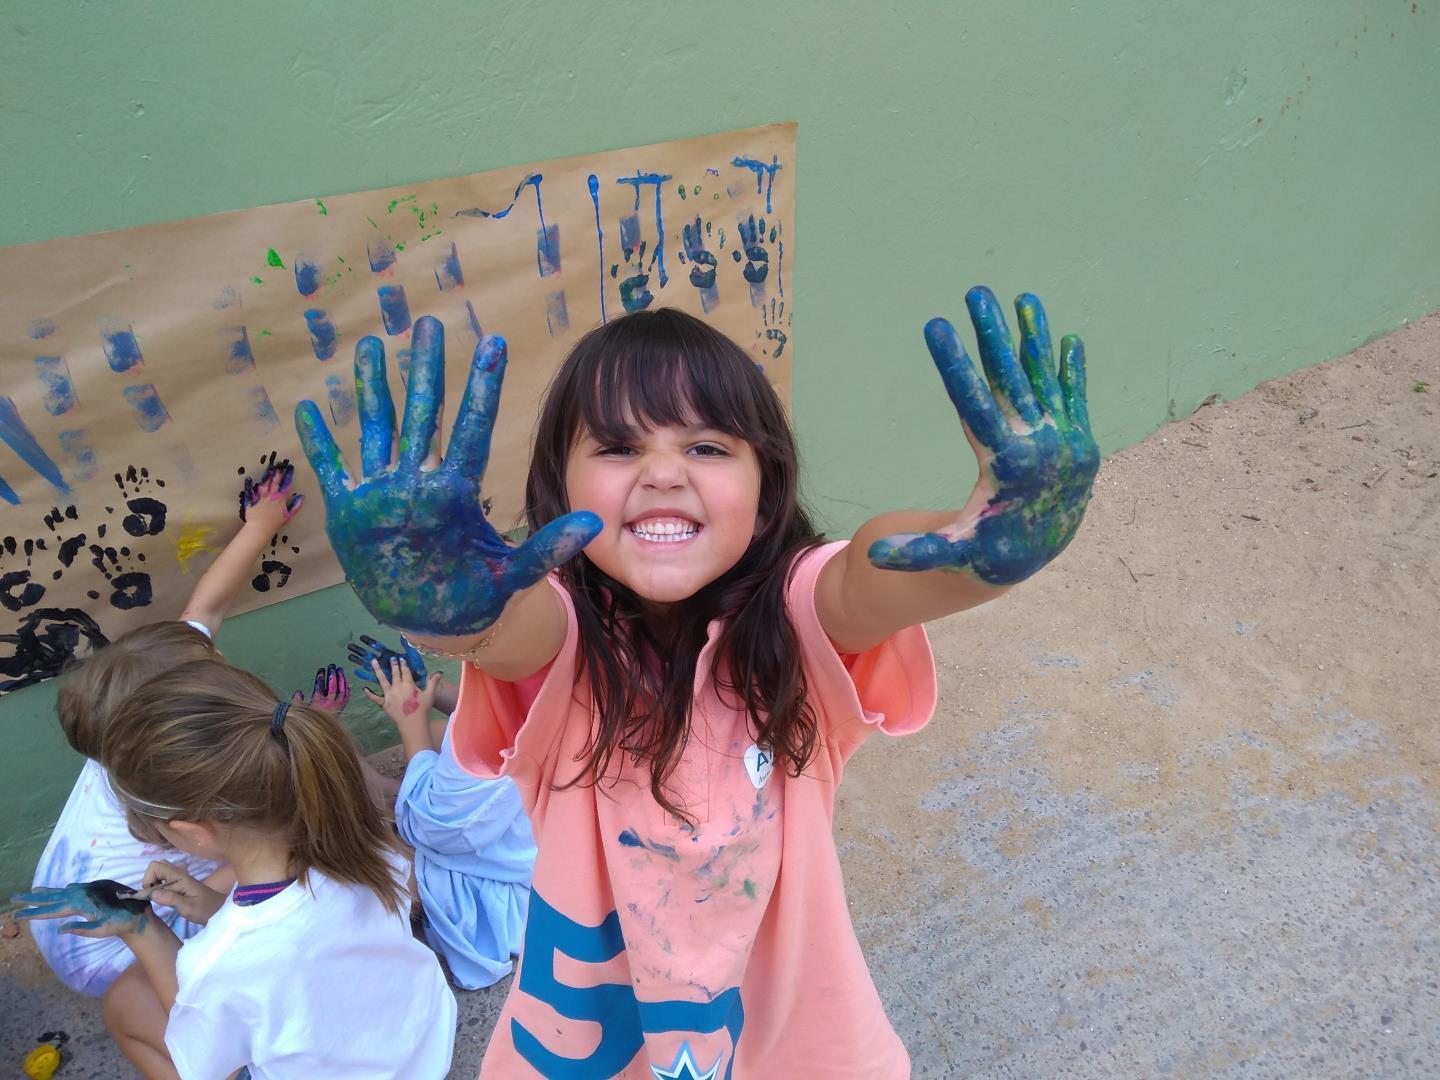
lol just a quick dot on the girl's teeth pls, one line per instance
(664, 532)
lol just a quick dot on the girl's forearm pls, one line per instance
(222, 581)
(447, 696)
(155, 947)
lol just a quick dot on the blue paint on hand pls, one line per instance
(415, 544)
(308, 276)
(448, 274)
(238, 356)
(103, 908)
(145, 401)
(367, 650)
(323, 337)
(394, 309)
(14, 434)
(122, 351)
(1041, 475)
(54, 374)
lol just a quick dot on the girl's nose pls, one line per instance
(663, 471)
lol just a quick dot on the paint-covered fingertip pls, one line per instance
(940, 337)
(428, 331)
(980, 298)
(491, 352)
(369, 350)
(1073, 348)
(585, 523)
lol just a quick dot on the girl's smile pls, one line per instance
(679, 505)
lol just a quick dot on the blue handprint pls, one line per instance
(368, 651)
(1031, 431)
(103, 910)
(635, 292)
(757, 257)
(413, 541)
(702, 263)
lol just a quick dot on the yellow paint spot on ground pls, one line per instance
(192, 541)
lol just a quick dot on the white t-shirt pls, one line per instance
(92, 842)
(317, 981)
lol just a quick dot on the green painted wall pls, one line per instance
(1212, 194)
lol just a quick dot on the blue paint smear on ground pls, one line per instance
(42, 328)
(54, 374)
(307, 276)
(448, 274)
(149, 410)
(381, 255)
(547, 250)
(238, 357)
(342, 400)
(8, 493)
(322, 333)
(122, 351)
(16, 435)
(264, 411)
(594, 184)
(764, 175)
(394, 309)
(79, 451)
(638, 181)
(557, 316)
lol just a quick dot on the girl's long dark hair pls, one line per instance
(656, 368)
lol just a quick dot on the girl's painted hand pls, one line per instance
(367, 651)
(171, 886)
(1030, 430)
(103, 910)
(331, 691)
(268, 501)
(404, 702)
(411, 536)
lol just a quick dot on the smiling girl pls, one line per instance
(675, 667)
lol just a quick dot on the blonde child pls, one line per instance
(308, 968)
(474, 852)
(677, 700)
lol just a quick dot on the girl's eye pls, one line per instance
(616, 451)
(709, 450)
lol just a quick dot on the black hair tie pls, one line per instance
(277, 719)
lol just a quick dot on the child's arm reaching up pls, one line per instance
(406, 704)
(1030, 429)
(264, 508)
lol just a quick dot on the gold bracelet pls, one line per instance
(469, 655)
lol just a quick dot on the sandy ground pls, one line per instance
(1177, 814)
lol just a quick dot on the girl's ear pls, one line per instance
(193, 836)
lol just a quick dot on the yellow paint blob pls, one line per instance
(192, 542)
(41, 1063)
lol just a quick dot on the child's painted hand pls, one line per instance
(331, 691)
(268, 502)
(413, 539)
(367, 650)
(407, 704)
(1031, 433)
(104, 911)
(170, 885)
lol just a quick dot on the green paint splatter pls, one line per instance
(321, 204)
(273, 258)
(1420, 387)
(372, 221)
(264, 333)
(696, 189)
(716, 196)
(749, 888)
(257, 281)
(681, 189)
(396, 202)
(400, 245)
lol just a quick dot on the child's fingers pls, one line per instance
(381, 676)
(373, 696)
(400, 674)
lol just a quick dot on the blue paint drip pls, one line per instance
(547, 250)
(658, 180)
(54, 374)
(763, 174)
(533, 180)
(78, 448)
(780, 269)
(8, 493)
(42, 328)
(557, 316)
(474, 321)
(307, 276)
(448, 274)
(594, 183)
(16, 435)
(394, 309)
(122, 351)
(238, 357)
(342, 400)
(322, 333)
(264, 411)
(150, 411)
(381, 254)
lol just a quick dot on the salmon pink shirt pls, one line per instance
(720, 948)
